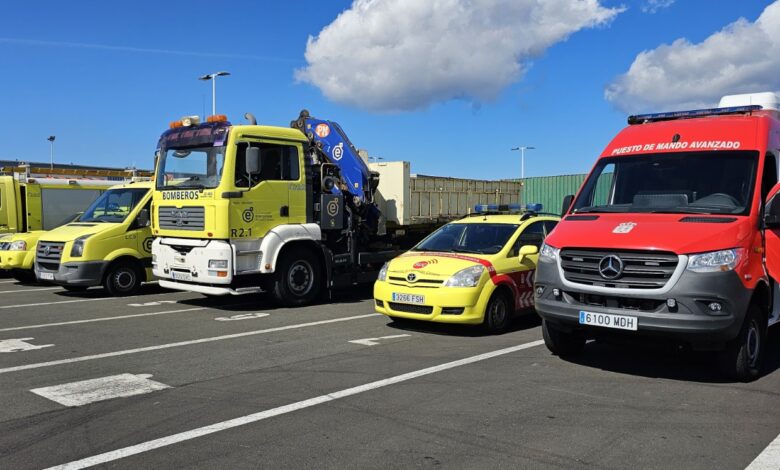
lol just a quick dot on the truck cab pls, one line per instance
(669, 239)
(109, 244)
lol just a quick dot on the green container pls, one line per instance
(550, 190)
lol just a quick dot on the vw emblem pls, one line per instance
(611, 267)
(47, 250)
(411, 277)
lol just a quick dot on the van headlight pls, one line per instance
(468, 277)
(77, 250)
(18, 245)
(548, 253)
(382, 272)
(715, 261)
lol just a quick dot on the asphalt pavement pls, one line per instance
(177, 380)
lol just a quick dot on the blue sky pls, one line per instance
(107, 78)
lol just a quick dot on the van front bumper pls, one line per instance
(87, 273)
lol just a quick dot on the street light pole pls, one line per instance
(522, 150)
(213, 78)
(51, 151)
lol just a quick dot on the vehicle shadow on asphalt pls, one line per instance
(667, 361)
(99, 292)
(519, 323)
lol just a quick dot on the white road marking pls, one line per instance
(242, 316)
(181, 343)
(154, 304)
(8, 281)
(19, 345)
(29, 290)
(768, 459)
(262, 415)
(375, 341)
(40, 304)
(92, 320)
(105, 388)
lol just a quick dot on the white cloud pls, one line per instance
(399, 55)
(743, 57)
(652, 6)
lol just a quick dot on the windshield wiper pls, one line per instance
(198, 186)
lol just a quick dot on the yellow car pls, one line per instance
(476, 270)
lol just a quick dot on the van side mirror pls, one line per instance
(252, 162)
(143, 218)
(567, 200)
(527, 250)
(772, 208)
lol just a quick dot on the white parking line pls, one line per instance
(768, 459)
(8, 281)
(253, 418)
(29, 290)
(181, 343)
(85, 392)
(91, 320)
(40, 304)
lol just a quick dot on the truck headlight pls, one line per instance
(77, 250)
(18, 245)
(468, 277)
(218, 264)
(382, 272)
(548, 253)
(715, 261)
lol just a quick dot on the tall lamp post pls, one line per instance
(522, 150)
(51, 151)
(213, 78)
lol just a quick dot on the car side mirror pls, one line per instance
(567, 200)
(772, 208)
(252, 162)
(143, 218)
(527, 250)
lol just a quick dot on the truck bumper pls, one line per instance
(689, 320)
(186, 267)
(89, 273)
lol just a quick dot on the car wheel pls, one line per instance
(742, 358)
(122, 279)
(562, 343)
(298, 280)
(498, 313)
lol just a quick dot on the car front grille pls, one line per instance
(641, 269)
(48, 255)
(186, 218)
(409, 308)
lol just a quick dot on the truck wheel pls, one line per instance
(122, 279)
(562, 343)
(298, 279)
(497, 313)
(741, 359)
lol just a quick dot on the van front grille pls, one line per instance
(48, 255)
(640, 269)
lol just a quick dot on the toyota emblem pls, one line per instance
(411, 277)
(611, 267)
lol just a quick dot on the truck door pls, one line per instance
(266, 204)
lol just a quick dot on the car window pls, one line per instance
(534, 234)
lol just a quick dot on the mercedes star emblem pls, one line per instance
(611, 267)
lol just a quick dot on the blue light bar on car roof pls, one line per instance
(694, 113)
(500, 208)
(535, 207)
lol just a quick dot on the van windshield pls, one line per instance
(114, 205)
(687, 182)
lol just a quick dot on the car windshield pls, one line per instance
(190, 168)
(689, 182)
(482, 238)
(114, 205)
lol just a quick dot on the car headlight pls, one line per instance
(468, 277)
(382, 272)
(18, 245)
(77, 250)
(218, 264)
(715, 261)
(548, 253)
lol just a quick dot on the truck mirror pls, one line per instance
(772, 208)
(527, 250)
(567, 200)
(252, 160)
(143, 218)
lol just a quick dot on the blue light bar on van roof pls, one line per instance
(694, 113)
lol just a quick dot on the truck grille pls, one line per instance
(48, 255)
(641, 269)
(186, 218)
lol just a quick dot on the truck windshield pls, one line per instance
(190, 168)
(114, 205)
(687, 182)
(468, 238)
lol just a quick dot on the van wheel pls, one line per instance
(497, 314)
(562, 343)
(298, 280)
(122, 279)
(742, 358)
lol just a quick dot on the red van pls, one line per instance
(674, 235)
